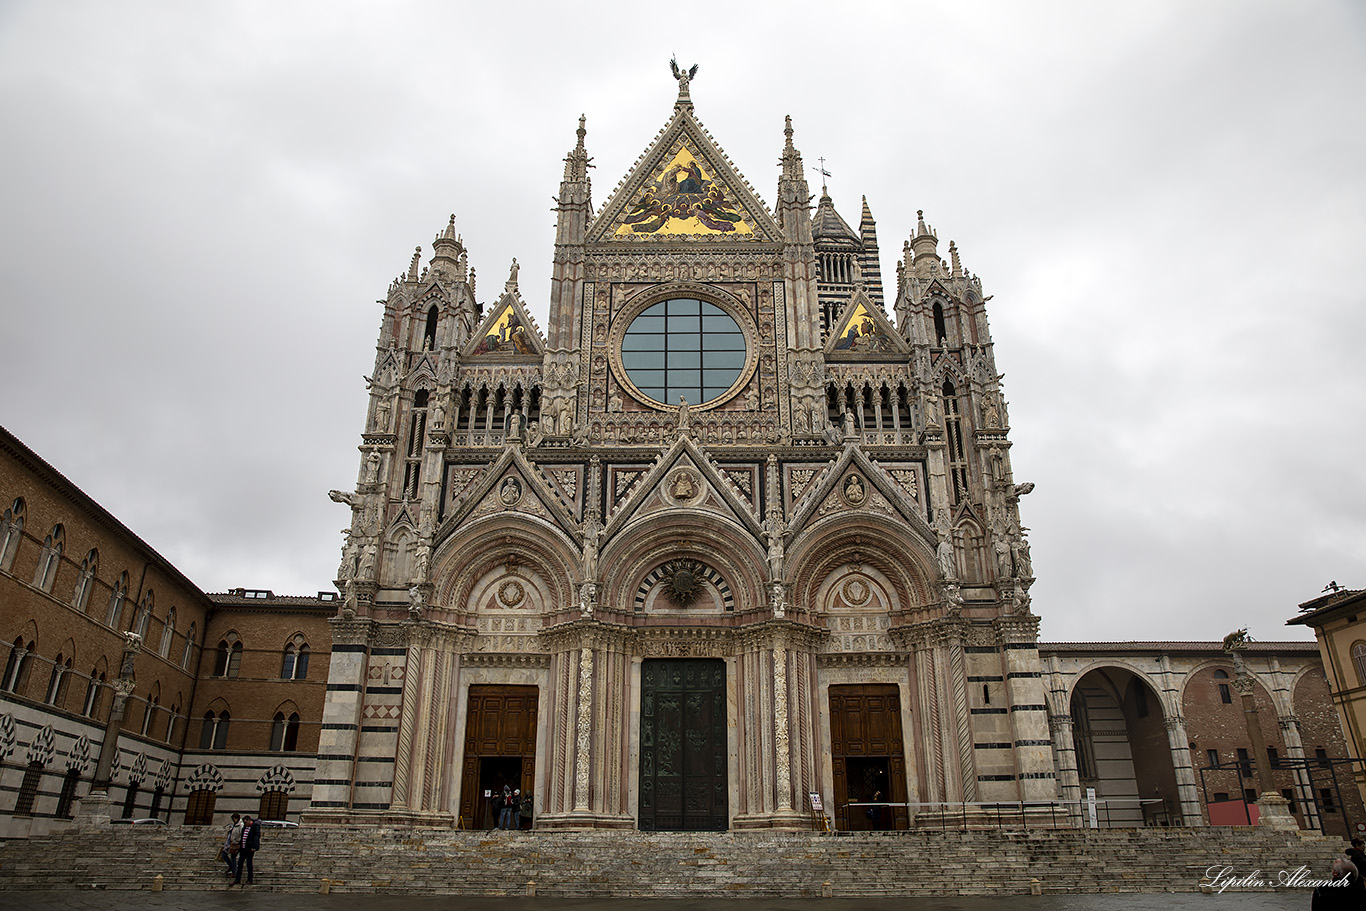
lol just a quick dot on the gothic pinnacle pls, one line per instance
(412, 267)
(582, 131)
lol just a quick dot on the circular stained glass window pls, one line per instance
(683, 347)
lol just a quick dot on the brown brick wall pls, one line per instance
(55, 626)
(258, 692)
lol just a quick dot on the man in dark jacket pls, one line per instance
(251, 843)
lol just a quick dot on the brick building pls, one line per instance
(73, 582)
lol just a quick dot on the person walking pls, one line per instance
(233, 844)
(250, 843)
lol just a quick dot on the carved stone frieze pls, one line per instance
(505, 659)
(862, 659)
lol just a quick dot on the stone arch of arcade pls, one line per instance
(1127, 744)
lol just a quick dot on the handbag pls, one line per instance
(219, 858)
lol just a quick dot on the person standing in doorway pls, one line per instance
(250, 844)
(505, 809)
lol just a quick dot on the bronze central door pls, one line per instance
(683, 745)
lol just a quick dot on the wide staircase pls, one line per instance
(660, 865)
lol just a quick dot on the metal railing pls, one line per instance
(968, 815)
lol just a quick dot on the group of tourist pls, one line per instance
(510, 806)
(242, 843)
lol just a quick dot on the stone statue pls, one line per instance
(382, 416)
(991, 415)
(350, 498)
(348, 610)
(438, 414)
(347, 570)
(1019, 550)
(534, 434)
(849, 425)
(683, 76)
(372, 468)
(592, 532)
(1002, 551)
(566, 416)
(588, 598)
(415, 602)
(515, 426)
(367, 563)
(424, 562)
(752, 401)
(931, 412)
(777, 599)
(853, 490)
(1236, 640)
(614, 402)
(512, 274)
(775, 530)
(944, 553)
(684, 415)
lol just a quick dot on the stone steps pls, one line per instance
(629, 864)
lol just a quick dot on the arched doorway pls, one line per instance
(1123, 750)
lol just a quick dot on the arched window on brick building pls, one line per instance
(49, 558)
(284, 733)
(214, 734)
(11, 531)
(229, 660)
(85, 582)
(116, 599)
(295, 663)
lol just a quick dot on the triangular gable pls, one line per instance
(863, 329)
(510, 484)
(684, 187)
(871, 489)
(684, 478)
(507, 332)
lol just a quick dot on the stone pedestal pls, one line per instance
(92, 810)
(1275, 813)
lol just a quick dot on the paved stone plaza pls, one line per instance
(98, 900)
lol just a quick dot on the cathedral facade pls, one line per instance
(734, 531)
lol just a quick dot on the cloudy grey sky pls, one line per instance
(202, 202)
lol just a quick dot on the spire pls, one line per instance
(955, 267)
(447, 251)
(827, 227)
(792, 159)
(412, 266)
(871, 260)
(577, 162)
(925, 242)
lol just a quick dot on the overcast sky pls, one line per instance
(202, 202)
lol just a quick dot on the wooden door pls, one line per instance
(865, 746)
(500, 722)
